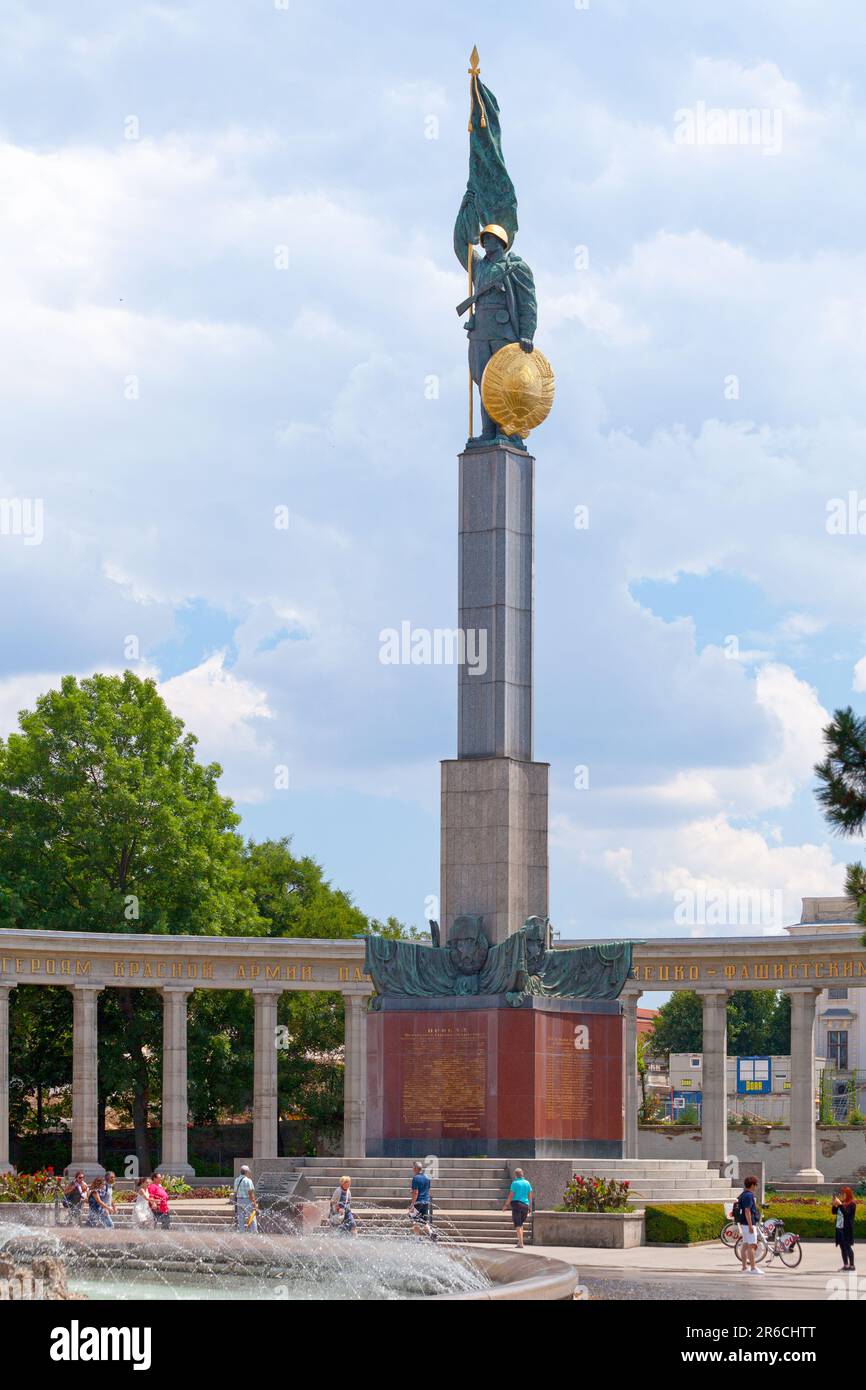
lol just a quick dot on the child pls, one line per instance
(142, 1216)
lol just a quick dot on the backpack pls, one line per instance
(736, 1213)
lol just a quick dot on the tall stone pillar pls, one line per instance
(494, 797)
(803, 1151)
(266, 1116)
(5, 1165)
(631, 1089)
(355, 1077)
(714, 1107)
(85, 1094)
(174, 1083)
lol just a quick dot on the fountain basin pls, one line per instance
(160, 1264)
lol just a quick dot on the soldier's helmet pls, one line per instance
(495, 230)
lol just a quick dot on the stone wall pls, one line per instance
(841, 1151)
(42, 1279)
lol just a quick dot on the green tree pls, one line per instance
(108, 823)
(678, 1026)
(759, 1023)
(293, 898)
(842, 790)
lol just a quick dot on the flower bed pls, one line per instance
(595, 1194)
(33, 1188)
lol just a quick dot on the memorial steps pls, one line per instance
(468, 1193)
(467, 1184)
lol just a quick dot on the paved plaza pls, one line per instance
(705, 1272)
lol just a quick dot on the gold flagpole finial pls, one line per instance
(474, 94)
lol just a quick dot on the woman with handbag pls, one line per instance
(844, 1209)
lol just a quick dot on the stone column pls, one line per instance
(714, 1107)
(631, 1088)
(5, 1165)
(494, 796)
(266, 1116)
(355, 1078)
(174, 1083)
(85, 1095)
(803, 1155)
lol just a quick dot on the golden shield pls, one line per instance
(517, 389)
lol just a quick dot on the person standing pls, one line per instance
(520, 1199)
(747, 1217)
(341, 1207)
(844, 1210)
(421, 1205)
(158, 1198)
(246, 1205)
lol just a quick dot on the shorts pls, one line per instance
(519, 1212)
(421, 1210)
(750, 1237)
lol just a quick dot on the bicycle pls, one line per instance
(774, 1240)
(729, 1234)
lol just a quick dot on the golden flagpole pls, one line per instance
(474, 70)
(472, 311)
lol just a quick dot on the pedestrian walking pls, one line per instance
(520, 1200)
(421, 1203)
(142, 1213)
(75, 1199)
(246, 1205)
(98, 1213)
(158, 1198)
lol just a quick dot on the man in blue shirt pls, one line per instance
(748, 1219)
(421, 1204)
(520, 1200)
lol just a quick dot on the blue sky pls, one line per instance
(168, 387)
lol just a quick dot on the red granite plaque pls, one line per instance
(494, 1080)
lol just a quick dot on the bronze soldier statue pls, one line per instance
(503, 306)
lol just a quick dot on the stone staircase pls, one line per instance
(186, 1215)
(467, 1195)
(469, 1192)
(662, 1179)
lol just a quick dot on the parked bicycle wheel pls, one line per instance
(791, 1255)
(729, 1234)
(760, 1250)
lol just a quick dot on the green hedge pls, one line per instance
(683, 1223)
(812, 1218)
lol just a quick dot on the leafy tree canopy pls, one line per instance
(109, 823)
(759, 1024)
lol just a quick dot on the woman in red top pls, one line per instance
(158, 1198)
